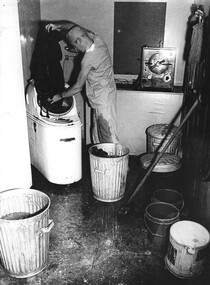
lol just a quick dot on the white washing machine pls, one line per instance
(55, 139)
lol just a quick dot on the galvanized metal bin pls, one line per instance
(24, 231)
(109, 174)
(158, 136)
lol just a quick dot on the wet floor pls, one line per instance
(91, 243)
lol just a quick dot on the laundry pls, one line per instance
(100, 152)
(46, 69)
(195, 64)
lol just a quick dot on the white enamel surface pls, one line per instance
(190, 234)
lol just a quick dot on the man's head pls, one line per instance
(78, 37)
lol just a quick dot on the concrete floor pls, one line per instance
(91, 244)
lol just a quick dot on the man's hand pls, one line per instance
(55, 98)
(51, 27)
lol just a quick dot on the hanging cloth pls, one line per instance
(194, 61)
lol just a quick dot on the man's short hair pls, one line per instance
(71, 33)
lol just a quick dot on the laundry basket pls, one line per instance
(158, 136)
(109, 167)
(24, 231)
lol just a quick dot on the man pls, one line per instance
(97, 71)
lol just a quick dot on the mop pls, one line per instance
(124, 209)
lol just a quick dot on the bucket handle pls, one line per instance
(190, 250)
(47, 229)
(149, 228)
(181, 206)
(100, 171)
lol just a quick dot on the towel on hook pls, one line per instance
(194, 61)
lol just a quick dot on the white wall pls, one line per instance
(148, 108)
(98, 16)
(15, 167)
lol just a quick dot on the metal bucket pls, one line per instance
(158, 218)
(187, 249)
(169, 196)
(24, 231)
(109, 174)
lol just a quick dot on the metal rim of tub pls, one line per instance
(108, 147)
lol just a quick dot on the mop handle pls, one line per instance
(158, 157)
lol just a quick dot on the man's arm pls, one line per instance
(77, 87)
(61, 26)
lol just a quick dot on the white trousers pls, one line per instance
(104, 125)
